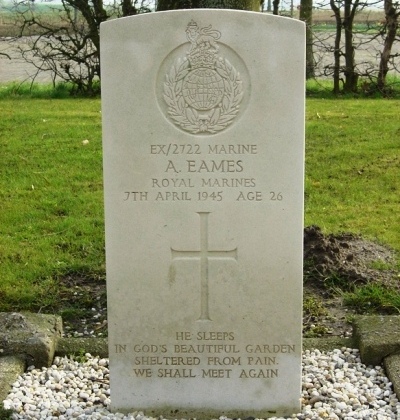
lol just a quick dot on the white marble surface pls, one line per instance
(203, 126)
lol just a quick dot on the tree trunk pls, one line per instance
(275, 7)
(336, 53)
(391, 24)
(253, 5)
(94, 14)
(351, 76)
(306, 7)
(128, 8)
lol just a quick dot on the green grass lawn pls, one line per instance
(51, 218)
(353, 167)
(51, 214)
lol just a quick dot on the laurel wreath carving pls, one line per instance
(188, 118)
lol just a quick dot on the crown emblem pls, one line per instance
(202, 90)
(204, 46)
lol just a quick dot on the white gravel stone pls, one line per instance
(336, 385)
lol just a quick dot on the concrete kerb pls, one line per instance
(25, 339)
(377, 337)
(76, 346)
(33, 335)
(10, 368)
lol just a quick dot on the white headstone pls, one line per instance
(203, 124)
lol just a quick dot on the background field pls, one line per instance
(368, 44)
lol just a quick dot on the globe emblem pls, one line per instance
(203, 89)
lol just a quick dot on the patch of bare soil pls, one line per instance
(83, 305)
(332, 264)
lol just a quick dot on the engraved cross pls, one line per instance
(204, 254)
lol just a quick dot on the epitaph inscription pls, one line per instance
(203, 91)
(204, 254)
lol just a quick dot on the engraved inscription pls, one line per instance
(202, 91)
(205, 173)
(207, 355)
(204, 254)
(120, 348)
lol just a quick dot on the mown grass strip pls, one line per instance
(352, 167)
(51, 221)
